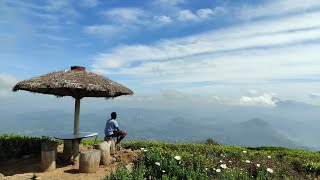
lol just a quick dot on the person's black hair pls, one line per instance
(113, 115)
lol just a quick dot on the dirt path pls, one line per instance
(29, 167)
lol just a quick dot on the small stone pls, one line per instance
(38, 178)
(129, 167)
(113, 160)
(127, 150)
(1, 176)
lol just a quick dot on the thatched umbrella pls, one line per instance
(77, 83)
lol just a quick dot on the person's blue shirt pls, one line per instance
(111, 126)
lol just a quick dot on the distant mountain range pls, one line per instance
(290, 124)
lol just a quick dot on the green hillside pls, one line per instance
(201, 161)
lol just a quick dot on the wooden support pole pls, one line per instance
(75, 142)
(67, 150)
(75, 148)
(76, 116)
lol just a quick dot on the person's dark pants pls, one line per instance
(118, 134)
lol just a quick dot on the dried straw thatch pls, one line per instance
(75, 83)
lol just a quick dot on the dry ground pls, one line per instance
(28, 167)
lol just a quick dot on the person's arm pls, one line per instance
(116, 126)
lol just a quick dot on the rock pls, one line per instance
(129, 167)
(1, 176)
(113, 160)
(118, 158)
(38, 178)
(127, 150)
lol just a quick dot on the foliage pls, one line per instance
(201, 161)
(160, 160)
(15, 146)
(121, 173)
(211, 142)
(90, 141)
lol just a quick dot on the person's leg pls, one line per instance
(120, 136)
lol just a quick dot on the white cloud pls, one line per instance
(7, 81)
(171, 94)
(61, 7)
(204, 13)
(200, 14)
(123, 22)
(104, 30)
(251, 92)
(263, 100)
(163, 19)
(232, 54)
(187, 15)
(314, 95)
(128, 15)
(275, 8)
(259, 56)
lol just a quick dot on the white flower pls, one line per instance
(223, 166)
(269, 157)
(142, 149)
(247, 161)
(145, 150)
(221, 161)
(270, 170)
(206, 169)
(244, 152)
(230, 161)
(214, 169)
(258, 165)
(157, 163)
(218, 170)
(177, 158)
(163, 171)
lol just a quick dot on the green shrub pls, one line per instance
(211, 142)
(15, 146)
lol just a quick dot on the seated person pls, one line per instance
(112, 130)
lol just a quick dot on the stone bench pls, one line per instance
(48, 155)
(113, 149)
(104, 147)
(89, 161)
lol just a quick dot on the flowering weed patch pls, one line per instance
(200, 161)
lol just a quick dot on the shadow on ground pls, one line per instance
(31, 164)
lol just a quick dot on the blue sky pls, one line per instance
(246, 52)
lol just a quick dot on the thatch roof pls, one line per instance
(74, 83)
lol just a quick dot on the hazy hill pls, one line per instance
(246, 126)
(257, 132)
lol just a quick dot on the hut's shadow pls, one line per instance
(20, 166)
(31, 164)
(72, 171)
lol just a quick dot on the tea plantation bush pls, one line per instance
(201, 161)
(15, 146)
